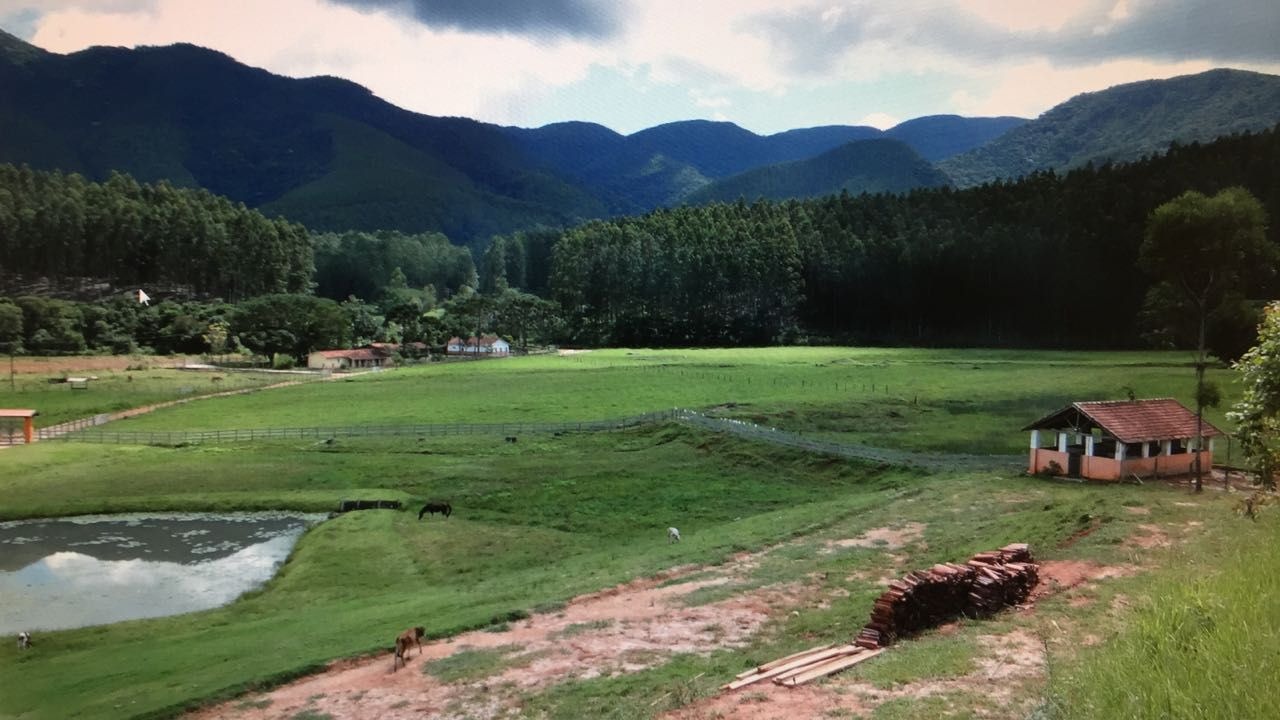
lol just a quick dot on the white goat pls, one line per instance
(673, 535)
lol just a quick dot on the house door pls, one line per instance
(1073, 464)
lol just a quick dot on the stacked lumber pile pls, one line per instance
(804, 667)
(922, 599)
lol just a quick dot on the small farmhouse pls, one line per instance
(485, 345)
(1116, 440)
(358, 358)
(28, 426)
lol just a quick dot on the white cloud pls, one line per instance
(884, 121)
(722, 55)
(437, 72)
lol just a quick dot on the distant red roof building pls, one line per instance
(346, 359)
(1115, 440)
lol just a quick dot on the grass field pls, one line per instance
(551, 517)
(953, 400)
(112, 390)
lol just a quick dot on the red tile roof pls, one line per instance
(357, 354)
(1130, 421)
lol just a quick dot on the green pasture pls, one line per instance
(542, 520)
(114, 390)
(948, 400)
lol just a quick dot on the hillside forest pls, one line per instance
(1048, 260)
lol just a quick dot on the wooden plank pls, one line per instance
(813, 666)
(801, 662)
(829, 668)
(775, 663)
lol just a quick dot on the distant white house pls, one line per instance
(485, 345)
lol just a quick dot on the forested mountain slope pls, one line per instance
(864, 166)
(317, 146)
(1124, 123)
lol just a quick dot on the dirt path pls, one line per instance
(623, 629)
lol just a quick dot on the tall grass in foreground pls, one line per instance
(1204, 644)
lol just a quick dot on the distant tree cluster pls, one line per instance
(61, 227)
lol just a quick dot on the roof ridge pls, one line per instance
(1125, 402)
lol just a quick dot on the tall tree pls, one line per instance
(293, 325)
(1202, 250)
(1257, 415)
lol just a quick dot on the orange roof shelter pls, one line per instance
(28, 423)
(1114, 440)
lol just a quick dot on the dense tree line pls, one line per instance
(1049, 260)
(65, 228)
(718, 274)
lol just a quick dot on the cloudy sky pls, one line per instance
(630, 64)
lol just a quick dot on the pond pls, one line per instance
(63, 573)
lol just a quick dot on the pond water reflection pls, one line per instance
(74, 572)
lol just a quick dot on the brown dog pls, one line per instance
(406, 640)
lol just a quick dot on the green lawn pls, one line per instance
(550, 517)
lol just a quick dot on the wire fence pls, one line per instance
(508, 429)
(932, 461)
(738, 428)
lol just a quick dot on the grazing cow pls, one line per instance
(404, 642)
(436, 507)
(673, 535)
(24, 640)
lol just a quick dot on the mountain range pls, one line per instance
(328, 153)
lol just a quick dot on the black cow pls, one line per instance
(436, 507)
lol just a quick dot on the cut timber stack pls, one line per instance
(805, 666)
(926, 598)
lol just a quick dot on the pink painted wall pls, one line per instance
(1106, 468)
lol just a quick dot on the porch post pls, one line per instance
(28, 429)
(1119, 450)
(1035, 439)
(1088, 444)
(1146, 449)
(1062, 442)
(1166, 448)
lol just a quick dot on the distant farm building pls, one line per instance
(1120, 439)
(359, 358)
(485, 345)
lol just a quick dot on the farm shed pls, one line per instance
(1113, 440)
(348, 359)
(483, 345)
(28, 423)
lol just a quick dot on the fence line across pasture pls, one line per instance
(739, 428)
